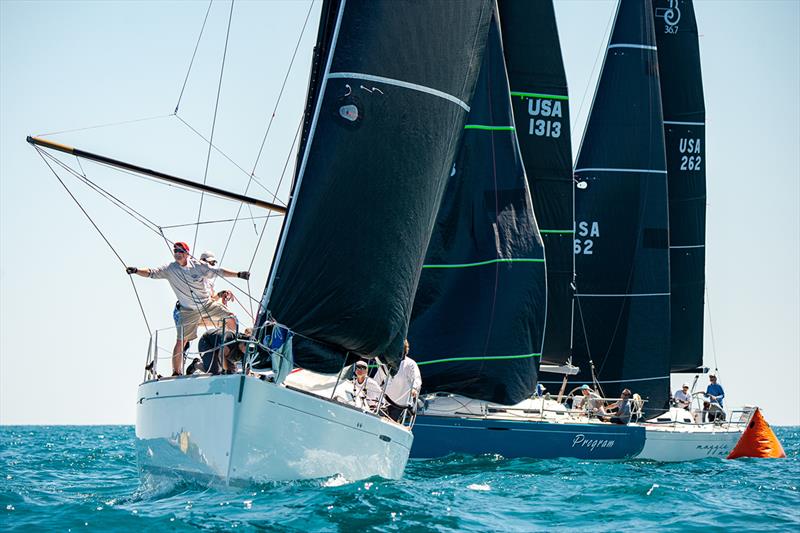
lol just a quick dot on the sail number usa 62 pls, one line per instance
(585, 234)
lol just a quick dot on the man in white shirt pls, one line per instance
(188, 279)
(682, 397)
(403, 388)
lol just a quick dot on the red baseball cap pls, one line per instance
(182, 245)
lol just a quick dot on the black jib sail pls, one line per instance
(478, 317)
(541, 111)
(621, 216)
(387, 119)
(685, 138)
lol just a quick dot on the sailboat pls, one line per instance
(383, 120)
(640, 219)
(480, 314)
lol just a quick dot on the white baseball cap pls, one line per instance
(208, 256)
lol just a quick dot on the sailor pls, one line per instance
(188, 278)
(682, 397)
(623, 407)
(362, 391)
(714, 390)
(403, 388)
(219, 352)
(591, 402)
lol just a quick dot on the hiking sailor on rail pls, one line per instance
(188, 279)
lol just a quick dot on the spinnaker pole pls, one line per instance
(156, 174)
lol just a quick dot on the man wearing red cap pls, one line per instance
(188, 276)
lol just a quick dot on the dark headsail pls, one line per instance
(478, 316)
(685, 138)
(387, 119)
(621, 237)
(541, 111)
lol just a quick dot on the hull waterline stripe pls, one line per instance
(482, 263)
(624, 295)
(693, 246)
(627, 45)
(488, 128)
(491, 358)
(565, 231)
(677, 123)
(399, 83)
(643, 170)
(539, 95)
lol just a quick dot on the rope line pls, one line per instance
(191, 62)
(283, 86)
(106, 125)
(111, 247)
(214, 120)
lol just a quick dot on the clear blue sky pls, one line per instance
(72, 337)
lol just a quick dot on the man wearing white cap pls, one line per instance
(682, 397)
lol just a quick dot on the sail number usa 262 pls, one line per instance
(691, 154)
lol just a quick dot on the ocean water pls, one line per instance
(84, 478)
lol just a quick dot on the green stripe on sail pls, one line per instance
(492, 358)
(565, 231)
(539, 95)
(488, 128)
(482, 263)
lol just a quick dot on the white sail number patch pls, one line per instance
(691, 158)
(585, 234)
(549, 123)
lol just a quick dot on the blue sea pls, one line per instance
(84, 478)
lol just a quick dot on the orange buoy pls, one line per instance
(758, 440)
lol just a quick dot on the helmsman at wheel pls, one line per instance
(187, 277)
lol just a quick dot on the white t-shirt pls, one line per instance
(192, 284)
(363, 395)
(401, 384)
(682, 397)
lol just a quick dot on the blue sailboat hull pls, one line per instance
(436, 436)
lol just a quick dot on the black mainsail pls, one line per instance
(387, 118)
(621, 238)
(685, 138)
(541, 111)
(478, 317)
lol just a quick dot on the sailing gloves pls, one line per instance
(243, 275)
(131, 270)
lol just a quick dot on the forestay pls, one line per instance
(621, 240)
(541, 111)
(685, 138)
(389, 107)
(478, 317)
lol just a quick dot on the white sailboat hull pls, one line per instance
(242, 429)
(683, 440)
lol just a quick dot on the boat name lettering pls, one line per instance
(690, 146)
(580, 440)
(714, 449)
(588, 231)
(544, 107)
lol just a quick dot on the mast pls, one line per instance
(478, 318)
(685, 137)
(622, 322)
(155, 174)
(387, 119)
(541, 110)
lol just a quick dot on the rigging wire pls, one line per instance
(283, 86)
(711, 329)
(206, 222)
(138, 299)
(214, 120)
(191, 62)
(109, 124)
